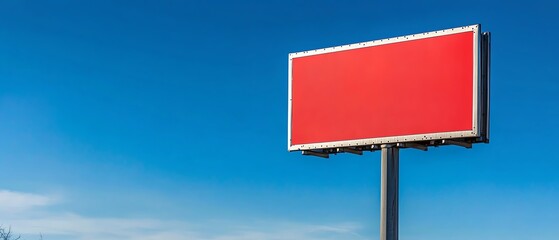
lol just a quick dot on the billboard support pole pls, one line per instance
(389, 192)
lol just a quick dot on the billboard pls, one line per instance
(423, 88)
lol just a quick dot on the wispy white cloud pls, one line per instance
(83, 228)
(67, 225)
(12, 202)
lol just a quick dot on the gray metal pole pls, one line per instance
(389, 193)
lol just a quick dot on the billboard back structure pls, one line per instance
(423, 88)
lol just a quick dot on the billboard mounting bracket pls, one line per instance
(316, 154)
(356, 151)
(457, 143)
(417, 146)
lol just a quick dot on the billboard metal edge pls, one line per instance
(475, 132)
(382, 140)
(476, 80)
(289, 105)
(485, 81)
(410, 37)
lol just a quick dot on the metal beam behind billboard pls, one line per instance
(415, 88)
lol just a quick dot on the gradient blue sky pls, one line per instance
(167, 120)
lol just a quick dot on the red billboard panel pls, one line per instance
(405, 89)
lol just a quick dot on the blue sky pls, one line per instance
(167, 120)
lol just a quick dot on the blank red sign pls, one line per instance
(421, 86)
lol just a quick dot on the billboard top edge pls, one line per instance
(475, 28)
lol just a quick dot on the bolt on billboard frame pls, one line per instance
(478, 133)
